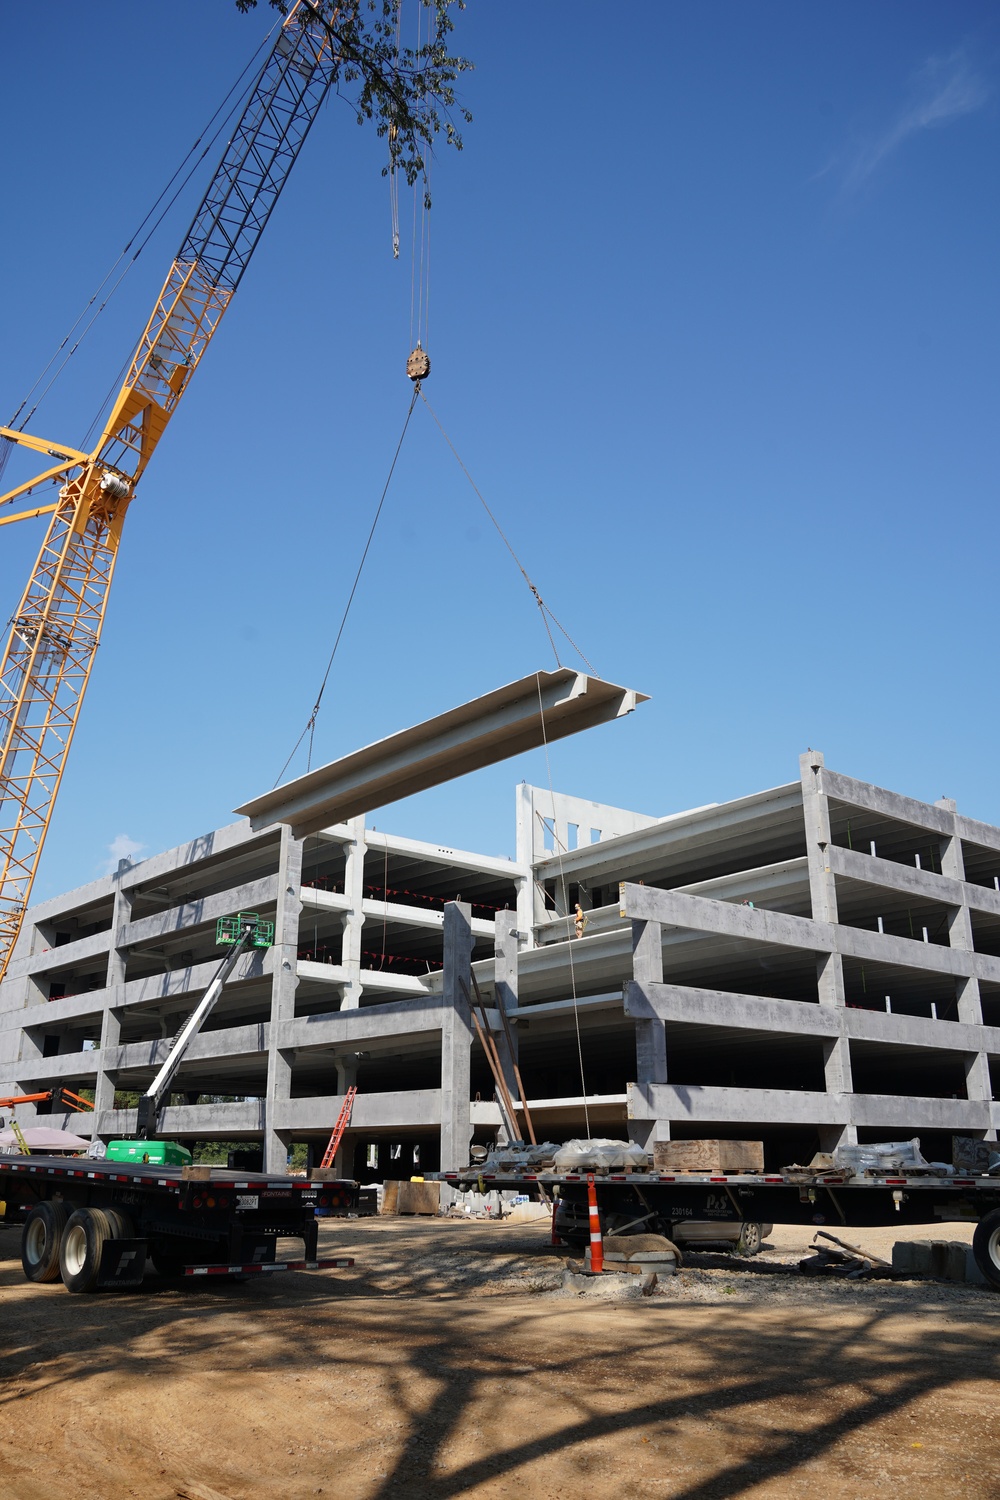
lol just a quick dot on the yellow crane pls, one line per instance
(56, 628)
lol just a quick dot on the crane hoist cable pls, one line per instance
(544, 609)
(562, 887)
(310, 728)
(57, 626)
(189, 158)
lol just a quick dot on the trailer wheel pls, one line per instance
(80, 1253)
(986, 1246)
(751, 1239)
(40, 1241)
(119, 1224)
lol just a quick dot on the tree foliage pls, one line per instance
(408, 92)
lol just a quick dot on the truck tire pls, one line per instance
(40, 1241)
(751, 1240)
(80, 1252)
(119, 1224)
(986, 1246)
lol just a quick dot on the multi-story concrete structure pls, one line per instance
(808, 964)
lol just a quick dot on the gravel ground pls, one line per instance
(452, 1361)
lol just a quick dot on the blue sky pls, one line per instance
(713, 317)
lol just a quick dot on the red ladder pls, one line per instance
(338, 1130)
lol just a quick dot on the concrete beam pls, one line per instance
(163, 924)
(70, 955)
(413, 916)
(207, 846)
(723, 919)
(520, 716)
(672, 835)
(869, 869)
(722, 1008)
(461, 859)
(877, 799)
(413, 1109)
(738, 1106)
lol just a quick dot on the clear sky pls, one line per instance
(713, 317)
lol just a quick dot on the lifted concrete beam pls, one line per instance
(521, 716)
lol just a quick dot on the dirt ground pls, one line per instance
(452, 1360)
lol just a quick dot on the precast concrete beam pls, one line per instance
(782, 930)
(192, 914)
(684, 1005)
(877, 799)
(675, 835)
(742, 1106)
(413, 1109)
(520, 716)
(69, 955)
(870, 869)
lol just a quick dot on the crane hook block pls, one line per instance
(418, 366)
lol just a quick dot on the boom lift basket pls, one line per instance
(230, 929)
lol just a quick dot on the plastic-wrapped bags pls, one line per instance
(888, 1158)
(520, 1158)
(600, 1155)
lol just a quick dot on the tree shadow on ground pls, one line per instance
(507, 1389)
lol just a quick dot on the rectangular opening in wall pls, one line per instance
(706, 961)
(912, 1072)
(985, 932)
(857, 828)
(989, 995)
(725, 1057)
(982, 865)
(876, 909)
(911, 992)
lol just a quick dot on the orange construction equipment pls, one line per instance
(57, 1096)
(596, 1239)
(343, 1119)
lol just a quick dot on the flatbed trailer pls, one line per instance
(96, 1223)
(654, 1201)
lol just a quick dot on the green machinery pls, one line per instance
(245, 930)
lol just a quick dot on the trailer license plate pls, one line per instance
(247, 1200)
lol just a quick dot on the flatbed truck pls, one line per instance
(99, 1223)
(652, 1201)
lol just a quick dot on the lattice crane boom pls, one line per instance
(56, 628)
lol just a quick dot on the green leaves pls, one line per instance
(408, 93)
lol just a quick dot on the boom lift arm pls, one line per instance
(242, 932)
(56, 628)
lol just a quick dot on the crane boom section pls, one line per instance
(57, 626)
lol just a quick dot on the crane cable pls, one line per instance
(310, 728)
(544, 609)
(190, 162)
(562, 885)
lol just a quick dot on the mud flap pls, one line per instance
(123, 1263)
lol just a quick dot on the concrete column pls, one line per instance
(816, 818)
(279, 1086)
(530, 903)
(111, 1027)
(651, 1035)
(456, 1038)
(284, 958)
(347, 1077)
(829, 966)
(505, 984)
(354, 889)
(970, 1009)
